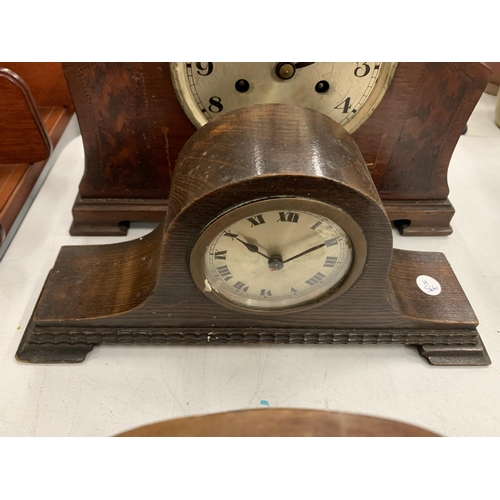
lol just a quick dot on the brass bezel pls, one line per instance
(238, 212)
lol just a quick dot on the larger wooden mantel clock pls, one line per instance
(275, 233)
(135, 117)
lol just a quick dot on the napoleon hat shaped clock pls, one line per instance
(275, 233)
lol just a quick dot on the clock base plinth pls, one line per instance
(99, 228)
(453, 347)
(421, 218)
(456, 355)
(112, 217)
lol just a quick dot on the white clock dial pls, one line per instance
(275, 256)
(346, 92)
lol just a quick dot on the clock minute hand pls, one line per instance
(304, 253)
(299, 65)
(252, 248)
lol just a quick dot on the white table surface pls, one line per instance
(120, 387)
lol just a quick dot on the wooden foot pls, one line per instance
(50, 353)
(421, 218)
(411, 228)
(99, 228)
(456, 355)
(110, 217)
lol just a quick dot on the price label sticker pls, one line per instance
(428, 285)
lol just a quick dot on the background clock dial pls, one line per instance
(347, 92)
(275, 258)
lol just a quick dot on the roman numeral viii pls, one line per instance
(220, 255)
(224, 272)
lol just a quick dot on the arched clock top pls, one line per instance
(262, 142)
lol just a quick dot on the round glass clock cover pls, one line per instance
(270, 255)
(346, 92)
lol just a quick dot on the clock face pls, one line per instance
(346, 92)
(272, 255)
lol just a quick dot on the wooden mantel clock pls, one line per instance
(135, 117)
(275, 233)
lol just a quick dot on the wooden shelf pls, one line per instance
(27, 127)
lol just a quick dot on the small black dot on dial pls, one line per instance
(242, 85)
(322, 86)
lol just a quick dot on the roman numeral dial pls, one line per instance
(275, 255)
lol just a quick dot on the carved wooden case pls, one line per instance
(142, 291)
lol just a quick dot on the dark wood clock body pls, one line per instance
(133, 129)
(142, 291)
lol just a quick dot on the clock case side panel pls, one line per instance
(133, 129)
(409, 140)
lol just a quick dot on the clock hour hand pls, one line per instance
(304, 253)
(252, 248)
